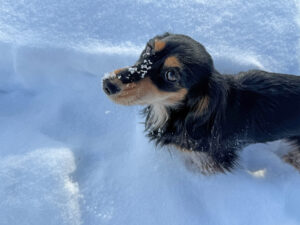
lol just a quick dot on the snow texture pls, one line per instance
(70, 156)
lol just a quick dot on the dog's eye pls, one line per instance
(170, 76)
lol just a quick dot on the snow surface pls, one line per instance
(70, 156)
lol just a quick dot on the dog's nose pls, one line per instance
(110, 88)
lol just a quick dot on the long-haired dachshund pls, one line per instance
(206, 115)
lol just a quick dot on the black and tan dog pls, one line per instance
(208, 116)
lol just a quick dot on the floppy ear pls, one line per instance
(196, 126)
(199, 121)
(207, 105)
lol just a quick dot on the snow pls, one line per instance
(70, 156)
(38, 183)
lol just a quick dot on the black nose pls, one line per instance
(110, 88)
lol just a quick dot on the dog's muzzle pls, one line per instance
(110, 88)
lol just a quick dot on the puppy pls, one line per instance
(209, 117)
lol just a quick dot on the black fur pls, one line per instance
(250, 107)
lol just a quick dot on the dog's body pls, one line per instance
(253, 107)
(206, 115)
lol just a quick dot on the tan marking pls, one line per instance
(172, 61)
(158, 114)
(119, 70)
(144, 92)
(202, 106)
(129, 86)
(175, 97)
(159, 45)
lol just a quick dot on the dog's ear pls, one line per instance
(200, 116)
(207, 104)
(196, 126)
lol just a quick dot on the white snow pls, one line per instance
(36, 188)
(70, 156)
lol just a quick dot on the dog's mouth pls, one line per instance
(124, 93)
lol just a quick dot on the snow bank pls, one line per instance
(36, 188)
(68, 151)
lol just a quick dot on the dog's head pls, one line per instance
(168, 67)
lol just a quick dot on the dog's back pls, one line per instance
(263, 107)
(266, 104)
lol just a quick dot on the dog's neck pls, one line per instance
(196, 112)
(157, 116)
